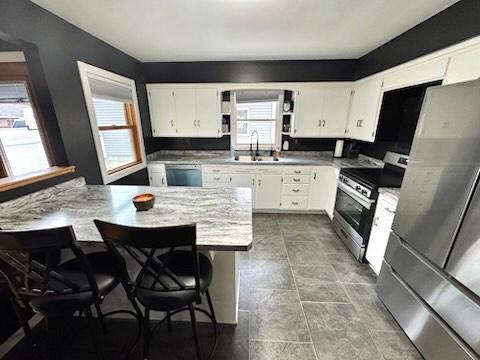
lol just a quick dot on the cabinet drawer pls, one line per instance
(215, 185)
(294, 202)
(297, 170)
(216, 178)
(295, 190)
(215, 169)
(156, 168)
(296, 179)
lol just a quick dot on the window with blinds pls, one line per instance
(256, 113)
(111, 101)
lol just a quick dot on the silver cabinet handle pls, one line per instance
(253, 181)
(359, 123)
(297, 171)
(319, 123)
(296, 180)
(163, 181)
(294, 131)
(296, 190)
(295, 203)
(171, 123)
(375, 221)
(195, 123)
(259, 182)
(198, 123)
(389, 211)
(216, 170)
(314, 176)
(216, 178)
(323, 123)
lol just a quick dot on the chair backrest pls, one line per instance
(26, 275)
(143, 245)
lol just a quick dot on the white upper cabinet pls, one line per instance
(162, 112)
(362, 122)
(308, 112)
(321, 111)
(208, 112)
(184, 112)
(463, 66)
(417, 74)
(336, 104)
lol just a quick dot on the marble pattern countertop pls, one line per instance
(287, 158)
(393, 194)
(223, 216)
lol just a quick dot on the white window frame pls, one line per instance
(86, 70)
(278, 126)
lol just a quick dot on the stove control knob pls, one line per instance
(364, 192)
(358, 188)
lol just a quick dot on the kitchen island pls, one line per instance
(223, 218)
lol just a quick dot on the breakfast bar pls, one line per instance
(223, 218)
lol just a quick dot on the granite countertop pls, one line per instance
(393, 194)
(223, 216)
(287, 158)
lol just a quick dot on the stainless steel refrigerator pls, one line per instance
(430, 277)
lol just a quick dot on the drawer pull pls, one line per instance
(295, 203)
(297, 171)
(296, 180)
(216, 178)
(215, 170)
(296, 190)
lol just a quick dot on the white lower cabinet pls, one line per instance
(157, 175)
(246, 180)
(323, 189)
(268, 191)
(382, 223)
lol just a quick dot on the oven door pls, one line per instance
(355, 210)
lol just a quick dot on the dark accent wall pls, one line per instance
(457, 23)
(60, 44)
(249, 71)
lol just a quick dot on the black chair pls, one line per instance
(51, 288)
(170, 279)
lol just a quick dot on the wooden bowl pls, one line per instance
(144, 202)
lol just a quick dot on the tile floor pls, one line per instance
(302, 297)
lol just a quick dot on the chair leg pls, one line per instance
(195, 333)
(169, 322)
(101, 317)
(146, 333)
(94, 333)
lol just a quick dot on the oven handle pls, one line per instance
(366, 203)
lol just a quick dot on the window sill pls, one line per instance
(13, 182)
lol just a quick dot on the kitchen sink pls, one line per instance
(248, 158)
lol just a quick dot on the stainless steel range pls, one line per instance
(357, 195)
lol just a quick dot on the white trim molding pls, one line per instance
(87, 71)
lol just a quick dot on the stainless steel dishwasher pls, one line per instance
(184, 175)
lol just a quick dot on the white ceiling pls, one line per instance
(199, 30)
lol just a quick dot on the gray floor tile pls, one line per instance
(302, 234)
(319, 283)
(244, 296)
(305, 253)
(350, 270)
(395, 345)
(330, 243)
(270, 274)
(338, 333)
(373, 313)
(268, 250)
(265, 350)
(277, 315)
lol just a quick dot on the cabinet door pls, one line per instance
(244, 180)
(336, 104)
(268, 191)
(332, 192)
(463, 66)
(364, 112)
(377, 243)
(157, 175)
(185, 112)
(319, 183)
(162, 112)
(308, 112)
(207, 112)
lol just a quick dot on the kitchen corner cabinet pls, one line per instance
(157, 175)
(321, 112)
(184, 112)
(323, 189)
(463, 66)
(362, 122)
(382, 223)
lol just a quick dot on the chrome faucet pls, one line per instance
(251, 150)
